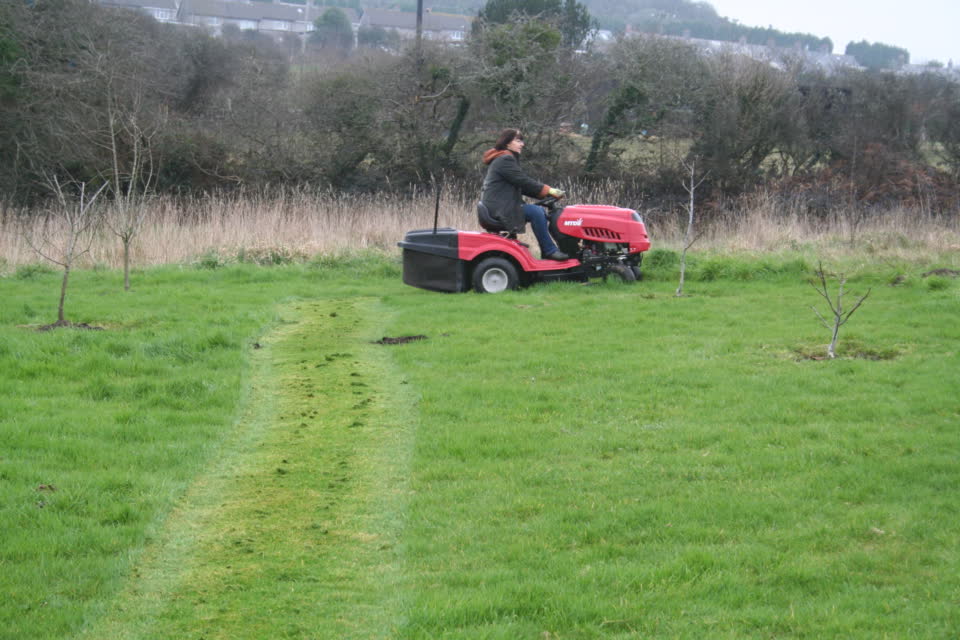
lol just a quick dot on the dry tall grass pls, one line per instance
(299, 224)
(763, 223)
(294, 224)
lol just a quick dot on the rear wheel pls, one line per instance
(624, 272)
(494, 275)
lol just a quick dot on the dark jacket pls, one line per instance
(504, 188)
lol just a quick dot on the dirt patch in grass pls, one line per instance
(399, 339)
(850, 351)
(69, 325)
(950, 273)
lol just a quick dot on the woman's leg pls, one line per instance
(537, 218)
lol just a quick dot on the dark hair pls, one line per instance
(506, 137)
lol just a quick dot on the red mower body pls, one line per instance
(605, 224)
(474, 244)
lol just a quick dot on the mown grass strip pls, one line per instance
(295, 533)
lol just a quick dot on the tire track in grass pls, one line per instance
(295, 532)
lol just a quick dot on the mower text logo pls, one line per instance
(573, 223)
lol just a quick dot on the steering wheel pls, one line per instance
(549, 202)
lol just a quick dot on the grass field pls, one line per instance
(235, 456)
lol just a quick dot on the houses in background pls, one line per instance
(161, 10)
(443, 27)
(277, 19)
(273, 19)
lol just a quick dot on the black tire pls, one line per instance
(638, 275)
(493, 275)
(624, 272)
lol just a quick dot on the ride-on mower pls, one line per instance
(601, 240)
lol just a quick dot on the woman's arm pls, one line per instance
(510, 171)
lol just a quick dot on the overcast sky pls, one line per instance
(928, 29)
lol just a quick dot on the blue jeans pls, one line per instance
(537, 218)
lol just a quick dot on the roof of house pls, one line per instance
(407, 20)
(243, 10)
(141, 4)
(352, 14)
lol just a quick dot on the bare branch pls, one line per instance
(856, 306)
(822, 319)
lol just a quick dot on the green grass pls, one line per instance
(568, 462)
(654, 466)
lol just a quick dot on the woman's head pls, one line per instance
(511, 140)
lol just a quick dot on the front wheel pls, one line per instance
(494, 275)
(624, 272)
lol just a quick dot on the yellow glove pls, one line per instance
(556, 193)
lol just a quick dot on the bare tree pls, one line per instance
(125, 217)
(840, 316)
(130, 140)
(689, 237)
(68, 231)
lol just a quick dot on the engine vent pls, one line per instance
(600, 232)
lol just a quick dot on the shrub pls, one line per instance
(712, 269)
(796, 266)
(936, 283)
(210, 259)
(31, 271)
(661, 259)
(363, 263)
(270, 256)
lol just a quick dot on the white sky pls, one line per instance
(928, 29)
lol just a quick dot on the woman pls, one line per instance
(505, 186)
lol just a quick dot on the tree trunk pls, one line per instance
(832, 349)
(462, 109)
(683, 269)
(61, 320)
(688, 236)
(126, 264)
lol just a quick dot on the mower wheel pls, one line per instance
(493, 275)
(637, 273)
(624, 272)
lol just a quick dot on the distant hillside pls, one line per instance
(669, 17)
(696, 19)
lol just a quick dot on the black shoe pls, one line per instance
(557, 255)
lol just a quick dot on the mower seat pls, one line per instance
(487, 222)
